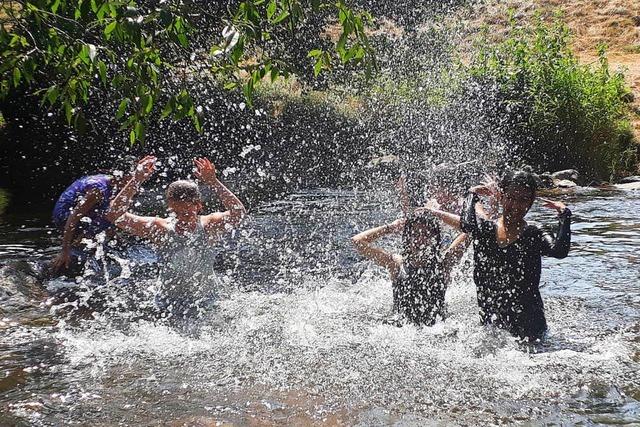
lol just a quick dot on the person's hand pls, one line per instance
(398, 225)
(145, 168)
(205, 170)
(551, 204)
(490, 183)
(431, 205)
(61, 261)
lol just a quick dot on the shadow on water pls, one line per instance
(298, 336)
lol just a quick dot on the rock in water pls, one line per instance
(630, 179)
(629, 186)
(388, 159)
(567, 174)
(564, 183)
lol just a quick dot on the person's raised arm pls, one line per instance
(141, 226)
(469, 220)
(363, 241)
(235, 211)
(90, 200)
(121, 203)
(489, 188)
(432, 207)
(558, 246)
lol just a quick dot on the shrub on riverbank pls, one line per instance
(557, 112)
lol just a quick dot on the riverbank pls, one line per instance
(612, 23)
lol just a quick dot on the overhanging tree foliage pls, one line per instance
(65, 50)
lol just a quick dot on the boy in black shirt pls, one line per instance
(508, 254)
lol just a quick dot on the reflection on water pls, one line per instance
(299, 337)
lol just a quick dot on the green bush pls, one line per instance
(560, 113)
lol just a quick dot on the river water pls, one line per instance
(298, 336)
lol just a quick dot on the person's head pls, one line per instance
(184, 199)
(420, 239)
(517, 193)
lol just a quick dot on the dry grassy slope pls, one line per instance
(615, 23)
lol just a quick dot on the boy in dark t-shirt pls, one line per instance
(508, 255)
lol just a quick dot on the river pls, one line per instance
(298, 336)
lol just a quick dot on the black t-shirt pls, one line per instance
(508, 278)
(418, 293)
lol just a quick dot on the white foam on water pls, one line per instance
(330, 339)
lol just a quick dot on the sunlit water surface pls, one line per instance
(299, 337)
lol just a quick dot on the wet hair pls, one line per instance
(420, 221)
(523, 179)
(184, 191)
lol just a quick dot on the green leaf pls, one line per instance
(140, 131)
(102, 12)
(52, 94)
(271, 9)
(147, 103)
(340, 46)
(313, 53)
(68, 111)
(183, 40)
(317, 68)
(122, 108)
(83, 55)
(351, 53)
(283, 15)
(248, 92)
(71, 90)
(132, 136)
(55, 6)
(102, 72)
(16, 76)
(342, 17)
(110, 28)
(275, 73)
(236, 53)
(231, 85)
(197, 123)
(255, 77)
(168, 108)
